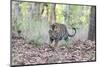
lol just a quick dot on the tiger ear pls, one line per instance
(53, 26)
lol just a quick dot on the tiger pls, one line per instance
(58, 32)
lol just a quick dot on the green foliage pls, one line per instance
(59, 13)
(24, 8)
(77, 15)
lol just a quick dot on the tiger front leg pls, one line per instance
(56, 43)
(51, 42)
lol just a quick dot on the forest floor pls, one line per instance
(23, 53)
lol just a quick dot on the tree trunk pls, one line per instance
(15, 15)
(35, 11)
(52, 14)
(92, 25)
(44, 12)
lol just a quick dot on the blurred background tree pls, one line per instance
(92, 25)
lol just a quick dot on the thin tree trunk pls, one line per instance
(92, 25)
(36, 11)
(52, 14)
(15, 15)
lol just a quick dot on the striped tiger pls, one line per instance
(58, 32)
